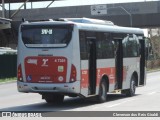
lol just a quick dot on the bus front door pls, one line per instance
(92, 66)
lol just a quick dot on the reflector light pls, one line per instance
(73, 74)
(60, 78)
(19, 74)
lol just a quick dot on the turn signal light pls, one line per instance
(73, 74)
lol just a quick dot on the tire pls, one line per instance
(131, 92)
(51, 99)
(102, 95)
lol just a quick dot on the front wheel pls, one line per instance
(102, 96)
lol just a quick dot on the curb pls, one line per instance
(151, 71)
(2, 83)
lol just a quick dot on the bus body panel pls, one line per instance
(104, 67)
(55, 55)
(46, 69)
(64, 88)
(131, 65)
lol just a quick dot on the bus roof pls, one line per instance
(91, 24)
(102, 25)
(115, 29)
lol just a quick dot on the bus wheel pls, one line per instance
(102, 95)
(131, 92)
(54, 99)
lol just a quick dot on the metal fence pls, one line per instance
(8, 66)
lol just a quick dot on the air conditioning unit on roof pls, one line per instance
(89, 21)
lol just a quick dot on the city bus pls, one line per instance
(79, 57)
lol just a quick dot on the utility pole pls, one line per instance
(130, 15)
(3, 9)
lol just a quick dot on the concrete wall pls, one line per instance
(143, 14)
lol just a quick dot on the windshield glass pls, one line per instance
(46, 35)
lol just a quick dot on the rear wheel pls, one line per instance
(51, 98)
(102, 96)
(131, 91)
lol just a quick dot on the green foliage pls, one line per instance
(156, 46)
(7, 79)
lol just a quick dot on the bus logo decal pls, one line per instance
(45, 62)
(32, 61)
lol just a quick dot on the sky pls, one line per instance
(71, 3)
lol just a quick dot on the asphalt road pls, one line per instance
(146, 99)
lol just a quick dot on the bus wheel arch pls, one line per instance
(103, 89)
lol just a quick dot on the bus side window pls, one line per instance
(124, 42)
(83, 45)
(99, 45)
(131, 46)
(137, 45)
(109, 45)
(105, 47)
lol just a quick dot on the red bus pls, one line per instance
(79, 57)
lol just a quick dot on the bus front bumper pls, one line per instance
(51, 87)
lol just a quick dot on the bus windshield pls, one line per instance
(46, 35)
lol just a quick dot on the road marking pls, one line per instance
(97, 107)
(152, 93)
(120, 103)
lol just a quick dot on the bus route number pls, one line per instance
(60, 60)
